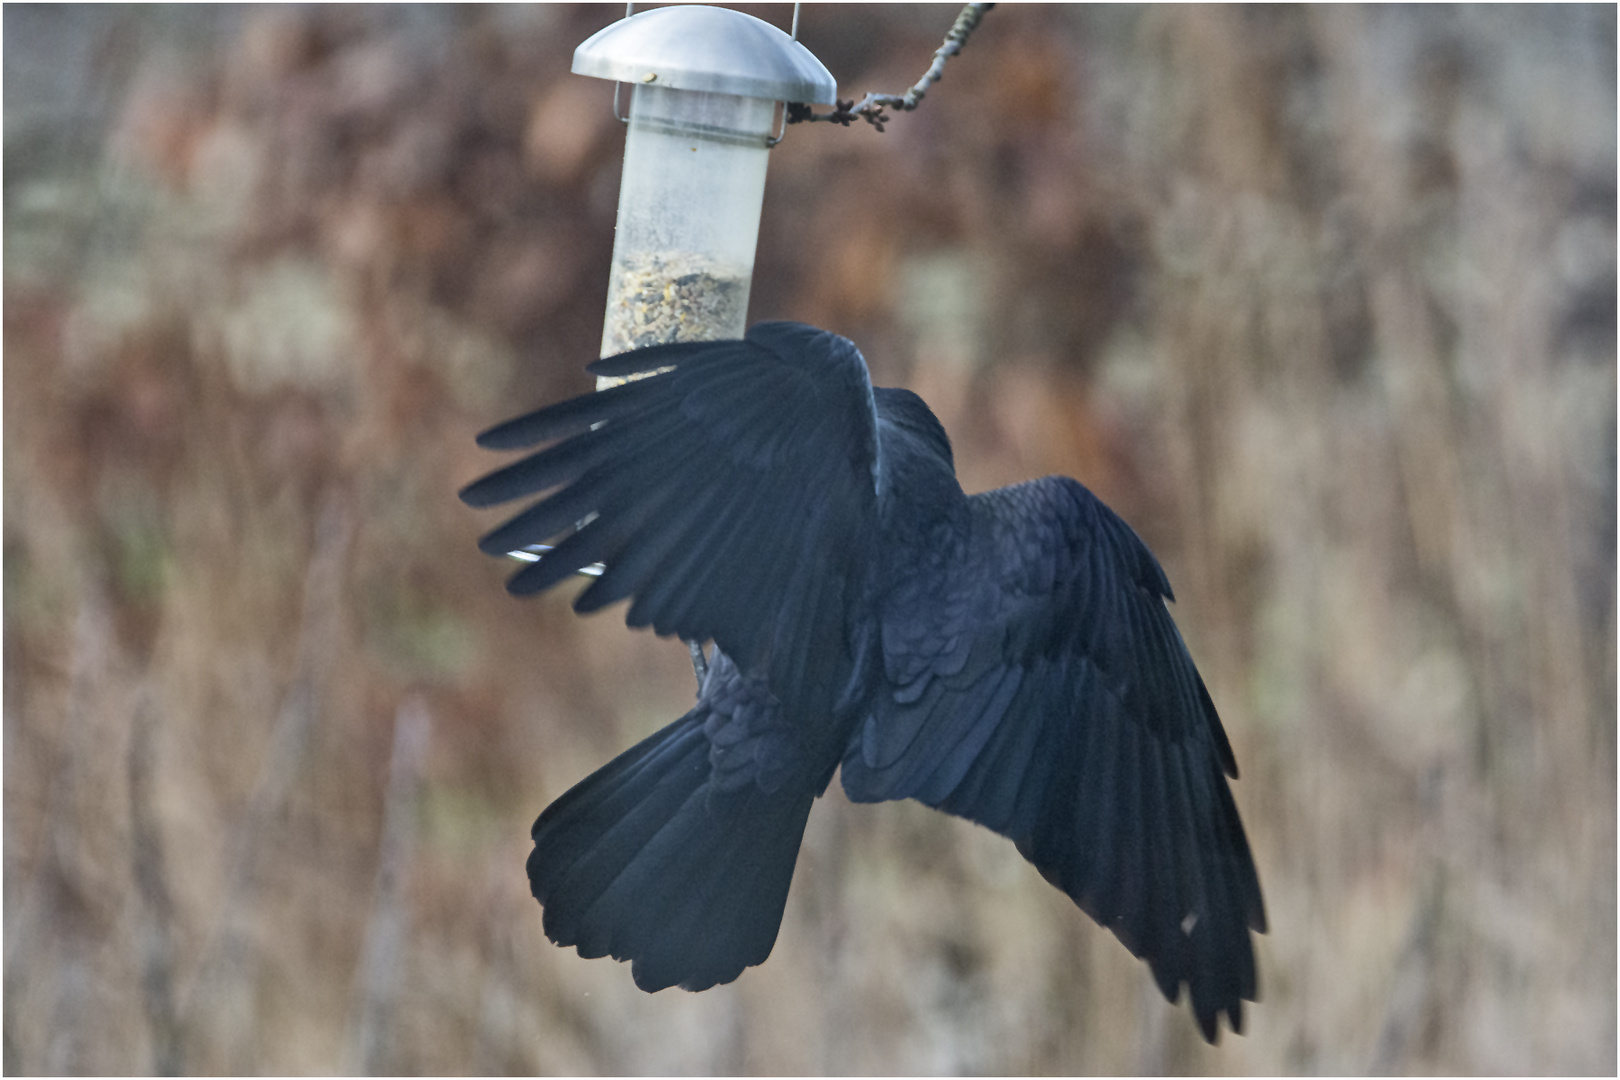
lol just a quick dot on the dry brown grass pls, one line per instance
(1322, 300)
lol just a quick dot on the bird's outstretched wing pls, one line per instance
(726, 496)
(1038, 686)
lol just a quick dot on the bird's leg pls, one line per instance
(700, 663)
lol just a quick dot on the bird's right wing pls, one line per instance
(728, 490)
(1036, 684)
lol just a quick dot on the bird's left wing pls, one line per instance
(1035, 683)
(727, 490)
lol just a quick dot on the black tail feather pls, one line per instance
(646, 861)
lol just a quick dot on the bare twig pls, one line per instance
(155, 911)
(60, 904)
(228, 954)
(1411, 994)
(385, 934)
(870, 108)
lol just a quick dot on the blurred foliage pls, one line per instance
(1321, 299)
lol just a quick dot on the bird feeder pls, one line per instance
(706, 84)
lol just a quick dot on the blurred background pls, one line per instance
(1322, 300)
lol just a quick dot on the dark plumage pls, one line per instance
(1007, 657)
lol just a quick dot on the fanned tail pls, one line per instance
(647, 860)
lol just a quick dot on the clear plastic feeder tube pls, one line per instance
(689, 209)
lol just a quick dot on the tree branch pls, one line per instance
(870, 108)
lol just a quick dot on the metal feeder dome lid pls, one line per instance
(697, 47)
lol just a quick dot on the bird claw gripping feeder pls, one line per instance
(707, 82)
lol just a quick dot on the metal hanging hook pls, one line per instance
(629, 10)
(781, 125)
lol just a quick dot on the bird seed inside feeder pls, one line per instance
(658, 298)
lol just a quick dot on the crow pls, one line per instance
(1007, 657)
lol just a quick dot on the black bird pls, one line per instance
(1007, 657)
